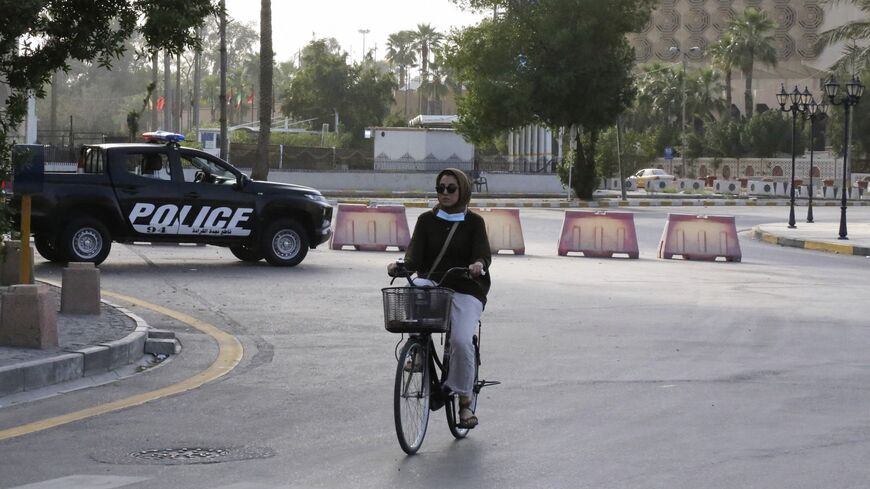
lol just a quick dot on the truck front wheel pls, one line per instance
(86, 239)
(285, 243)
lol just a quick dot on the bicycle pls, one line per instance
(420, 312)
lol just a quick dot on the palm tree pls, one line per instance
(753, 41)
(267, 57)
(401, 54)
(855, 31)
(425, 40)
(724, 58)
(704, 89)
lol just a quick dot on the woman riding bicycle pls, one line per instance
(468, 247)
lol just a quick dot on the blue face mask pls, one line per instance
(458, 217)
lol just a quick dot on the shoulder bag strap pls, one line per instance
(443, 249)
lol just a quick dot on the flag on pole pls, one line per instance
(230, 98)
(251, 99)
(161, 103)
(238, 100)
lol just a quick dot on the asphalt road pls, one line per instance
(616, 373)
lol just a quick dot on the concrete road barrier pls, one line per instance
(758, 187)
(598, 234)
(659, 185)
(727, 187)
(690, 184)
(370, 228)
(700, 238)
(504, 230)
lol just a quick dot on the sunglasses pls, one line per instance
(446, 189)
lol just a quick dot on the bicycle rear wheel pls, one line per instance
(452, 409)
(411, 396)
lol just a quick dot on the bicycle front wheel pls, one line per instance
(411, 396)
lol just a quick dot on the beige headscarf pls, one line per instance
(464, 190)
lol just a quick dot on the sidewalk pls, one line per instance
(89, 345)
(819, 236)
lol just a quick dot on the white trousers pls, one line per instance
(464, 316)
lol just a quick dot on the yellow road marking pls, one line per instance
(229, 355)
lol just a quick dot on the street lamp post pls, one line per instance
(815, 112)
(684, 61)
(364, 32)
(854, 91)
(797, 104)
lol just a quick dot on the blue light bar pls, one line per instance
(162, 137)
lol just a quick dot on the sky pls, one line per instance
(294, 24)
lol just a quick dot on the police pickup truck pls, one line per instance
(161, 192)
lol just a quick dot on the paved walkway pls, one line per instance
(89, 345)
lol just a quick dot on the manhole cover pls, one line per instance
(185, 455)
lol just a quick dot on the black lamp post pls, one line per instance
(854, 91)
(816, 112)
(797, 104)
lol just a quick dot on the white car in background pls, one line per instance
(642, 176)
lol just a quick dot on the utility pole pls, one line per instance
(685, 61)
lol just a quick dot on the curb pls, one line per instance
(73, 364)
(841, 249)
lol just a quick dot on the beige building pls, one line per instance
(699, 23)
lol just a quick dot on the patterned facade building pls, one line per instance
(700, 23)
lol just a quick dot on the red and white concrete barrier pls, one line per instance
(370, 228)
(700, 238)
(598, 234)
(504, 230)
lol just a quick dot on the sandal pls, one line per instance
(467, 419)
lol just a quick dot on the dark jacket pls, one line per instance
(469, 244)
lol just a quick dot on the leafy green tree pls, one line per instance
(326, 87)
(724, 138)
(769, 133)
(636, 152)
(39, 38)
(320, 88)
(855, 31)
(425, 40)
(724, 55)
(752, 37)
(561, 63)
(401, 54)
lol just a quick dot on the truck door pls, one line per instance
(147, 189)
(218, 205)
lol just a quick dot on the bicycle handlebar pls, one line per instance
(402, 271)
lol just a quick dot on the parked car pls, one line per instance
(642, 176)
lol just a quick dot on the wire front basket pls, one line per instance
(417, 309)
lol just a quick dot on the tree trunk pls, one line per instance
(155, 74)
(52, 123)
(747, 94)
(224, 137)
(178, 106)
(584, 179)
(167, 91)
(261, 166)
(197, 88)
(728, 101)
